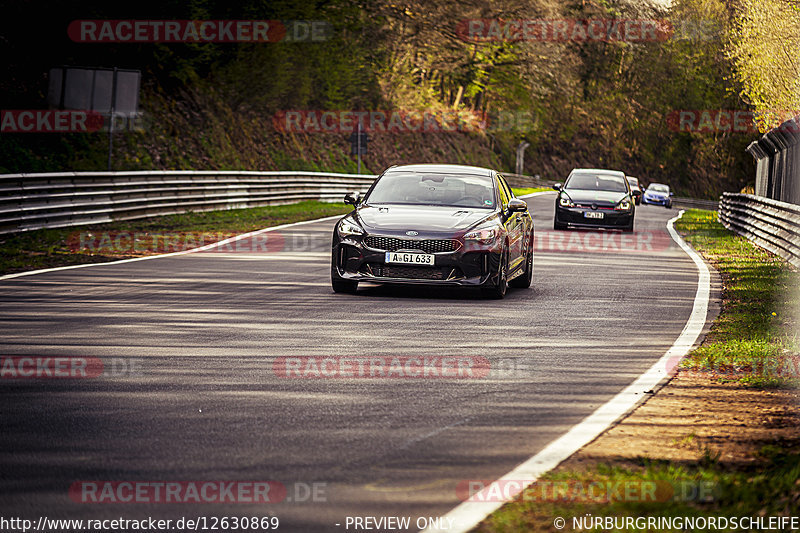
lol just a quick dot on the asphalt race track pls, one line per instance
(203, 402)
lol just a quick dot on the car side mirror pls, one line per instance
(637, 192)
(515, 205)
(352, 198)
(671, 193)
(557, 186)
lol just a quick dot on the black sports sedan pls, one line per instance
(594, 198)
(435, 224)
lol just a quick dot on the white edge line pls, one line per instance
(538, 193)
(173, 254)
(467, 515)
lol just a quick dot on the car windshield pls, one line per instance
(596, 182)
(451, 190)
(657, 187)
(634, 182)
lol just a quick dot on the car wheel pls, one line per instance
(524, 281)
(340, 284)
(498, 292)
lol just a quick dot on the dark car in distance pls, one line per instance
(435, 224)
(594, 198)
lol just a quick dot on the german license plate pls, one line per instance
(409, 258)
(593, 214)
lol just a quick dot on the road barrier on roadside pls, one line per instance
(62, 199)
(772, 225)
(53, 200)
(694, 203)
(777, 155)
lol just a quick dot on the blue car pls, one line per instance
(658, 194)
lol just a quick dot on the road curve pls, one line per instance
(205, 403)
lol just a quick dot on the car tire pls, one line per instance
(498, 292)
(524, 281)
(341, 285)
(558, 226)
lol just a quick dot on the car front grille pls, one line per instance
(429, 246)
(589, 206)
(380, 270)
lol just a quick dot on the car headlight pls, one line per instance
(624, 205)
(483, 236)
(347, 228)
(564, 201)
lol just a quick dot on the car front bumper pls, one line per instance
(575, 216)
(656, 201)
(470, 265)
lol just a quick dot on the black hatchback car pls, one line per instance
(435, 224)
(594, 198)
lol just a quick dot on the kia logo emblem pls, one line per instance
(412, 233)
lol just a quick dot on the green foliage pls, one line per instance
(594, 103)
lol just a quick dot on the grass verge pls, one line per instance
(753, 332)
(49, 248)
(520, 191)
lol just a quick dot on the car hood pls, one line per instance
(581, 196)
(657, 194)
(419, 218)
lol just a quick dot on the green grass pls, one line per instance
(55, 247)
(750, 341)
(659, 489)
(751, 333)
(528, 190)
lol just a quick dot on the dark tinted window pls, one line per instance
(597, 182)
(453, 190)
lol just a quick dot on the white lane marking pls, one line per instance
(531, 195)
(467, 515)
(173, 254)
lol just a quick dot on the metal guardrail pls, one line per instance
(777, 155)
(53, 200)
(772, 225)
(693, 203)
